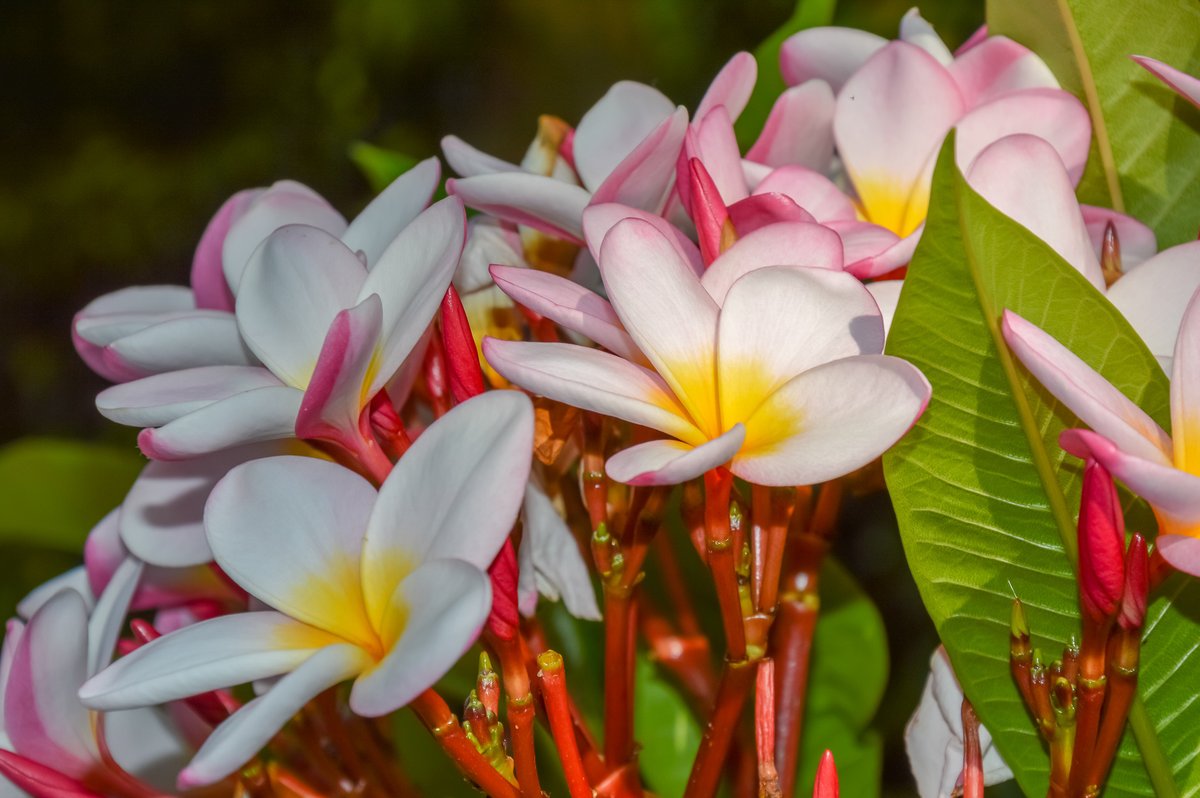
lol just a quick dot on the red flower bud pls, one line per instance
(40, 781)
(504, 619)
(1137, 584)
(707, 210)
(826, 785)
(1101, 545)
(462, 360)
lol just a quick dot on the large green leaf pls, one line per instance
(807, 14)
(985, 497)
(1145, 157)
(54, 491)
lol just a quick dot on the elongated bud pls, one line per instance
(1101, 546)
(1137, 585)
(1019, 627)
(713, 228)
(826, 785)
(1110, 255)
(462, 359)
(487, 684)
(504, 618)
(39, 780)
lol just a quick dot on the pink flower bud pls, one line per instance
(1137, 584)
(826, 785)
(504, 619)
(1101, 545)
(707, 210)
(462, 360)
(39, 780)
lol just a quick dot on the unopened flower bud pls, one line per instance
(504, 618)
(1101, 546)
(462, 359)
(713, 228)
(1137, 585)
(1110, 255)
(826, 785)
(39, 780)
(487, 684)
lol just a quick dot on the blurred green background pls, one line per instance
(127, 124)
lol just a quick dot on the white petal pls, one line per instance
(599, 219)
(792, 244)
(1154, 296)
(731, 87)
(162, 398)
(255, 416)
(199, 338)
(612, 127)
(147, 745)
(1185, 391)
(393, 210)
(108, 616)
(799, 129)
(827, 53)
(667, 462)
(559, 568)
(76, 579)
(914, 29)
(469, 161)
(886, 294)
(543, 203)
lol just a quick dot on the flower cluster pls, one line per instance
(376, 445)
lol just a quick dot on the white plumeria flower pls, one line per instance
(934, 736)
(144, 330)
(388, 589)
(550, 561)
(1024, 178)
(330, 334)
(1162, 469)
(774, 371)
(68, 636)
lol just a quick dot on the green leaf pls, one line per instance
(985, 498)
(1145, 158)
(54, 491)
(666, 728)
(380, 165)
(807, 14)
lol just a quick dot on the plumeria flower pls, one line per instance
(934, 736)
(550, 562)
(330, 333)
(1162, 469)
(896, 101)
(773, 371)
(387, 589)
(1024, 178)
(68, 637)
(624, 150)
(144, 330)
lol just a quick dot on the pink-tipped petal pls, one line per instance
(1154, 296)
(799, 129)
(433, 618)
(613, 127)
(1181, 551)
(1084, 392)
(208, 272)
(455, 493)
(759, 210)
(712, 141)
(997, 66)
(393, 210)
(1185, 85)
(543, 203)
(239, 737)
(828, 54)
(183, 341)
(1185, 390)
(831, 420)
(121, 313)
(592, 380)
(411, 278)
(569, 304)
(869, 250)
(812, 191)
(667, 462)
(731, 87)
(162, 398)
(284, 203)
(707, 208)
(599, 219)
(1052, 115)
(254, 416)
(793, 244)
(1024, 178)
(337, 392)
(1137, 241)
(32, 778)
(468, 161)
(643, 179)
(889, 121)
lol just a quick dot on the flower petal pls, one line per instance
(1187, 86)
(914, 29)
(643, 178)
(1154, 296)
(1185, 391)
(731, 87)
(558, 568)
(290, 530)
(812, 191)
(1085, 393)
(759, 210)
(829, 54)
(394, 209)
(254, 416)
(411, 278)
(799, 130)
(792, 244)
(713, 142)
(437, 613)
(592, 380)
(339, 388)
(294, 285)
(666, 311)
(162, 398)
(997, 66)
(284, 203)
(241, 735)
(889, 121)
(213, 654)
(831, 420)
(208, 271)
(108, 616)
(1137, 241)
(184, 341)
(455, 493)
(543, 203)
(469, 161)
(599, 219)
(886, 294)
(614, 126)
(668, 462)
(1181, 551)
(1023, 178)
(569, 304)
(1050, 114)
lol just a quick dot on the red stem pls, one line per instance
(437, 717)
(736, 681)
(721, 560)
(972, 774)
(764, 730)
(519, 711)
(554, 693)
